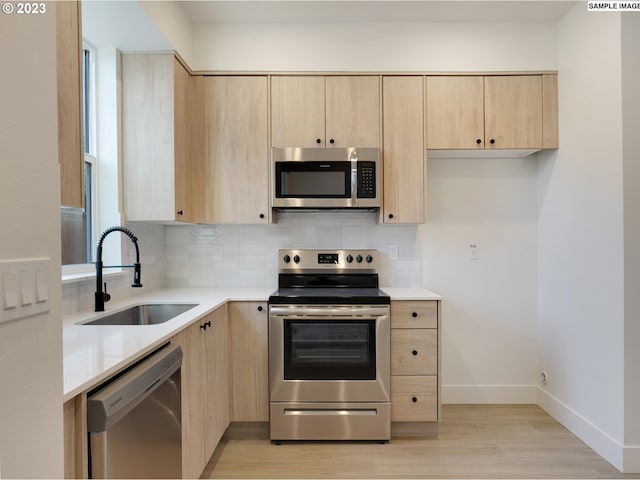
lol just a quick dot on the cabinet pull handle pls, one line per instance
(391, 215)
(478, 141)
(180, 212)
(318, 140)
(261, 215)
(208, 323)
(260, 308)
(414, 314)
(415, 352)
(332, 141)
(203, 326)
(414, 399)
(492, 141)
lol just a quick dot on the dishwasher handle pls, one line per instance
(110, 404)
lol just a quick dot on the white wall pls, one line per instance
(489, 307)
(374, 46)
(30, 349)
(173, 22)
(580, 230)
(631, 169)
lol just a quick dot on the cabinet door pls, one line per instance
(189, 145)
(414, 351)
(237, 163)
(414, 314)
(148, 137)
(70, 138)
(513, 111)
(403, 149)
(414, 398)
(193, 401)
(353, 111)
(216, 346)
(249, 361)
(455, 112)
(297, 111)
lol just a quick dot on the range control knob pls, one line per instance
(286, 259)
(359, 259)
(296, 259)
(369, 259)
(349, 258)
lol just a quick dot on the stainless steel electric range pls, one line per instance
(329, 359)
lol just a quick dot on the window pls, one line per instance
(78, 224)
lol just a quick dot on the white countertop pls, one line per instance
(93, 353)
(415, 293)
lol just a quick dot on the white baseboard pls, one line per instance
(605, 445)
(489, 394)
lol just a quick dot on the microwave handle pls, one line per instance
(354, 178)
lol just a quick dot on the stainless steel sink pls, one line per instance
(150, 314)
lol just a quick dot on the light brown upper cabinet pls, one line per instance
(491, 112)
(403, 149)
(237, 149)
(69, 73)
(163, 150)
(331, 111)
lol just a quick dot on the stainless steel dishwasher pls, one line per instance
(134, 421)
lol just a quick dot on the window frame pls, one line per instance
(89, 128)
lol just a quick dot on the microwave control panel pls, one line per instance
(366, 179)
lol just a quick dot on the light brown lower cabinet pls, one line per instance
(74, 415)
(205, 389)
(415, 363)
(249, 361)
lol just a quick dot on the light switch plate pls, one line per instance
(24, 288)
(474, 251)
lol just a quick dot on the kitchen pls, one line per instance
(553, 222)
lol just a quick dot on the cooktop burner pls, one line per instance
(338, 277)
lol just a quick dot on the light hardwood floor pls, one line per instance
(475, 441)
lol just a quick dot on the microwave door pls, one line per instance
(313, 184)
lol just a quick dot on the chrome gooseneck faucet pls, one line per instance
(103, 296)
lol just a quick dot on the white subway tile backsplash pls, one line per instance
(249, 252)
(185, 255)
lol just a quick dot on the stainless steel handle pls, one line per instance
(349, 312)
(354, 179)
(322, 412)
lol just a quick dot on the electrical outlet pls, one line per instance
(544, 378)
(393, 251)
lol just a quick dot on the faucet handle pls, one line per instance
(105, 295)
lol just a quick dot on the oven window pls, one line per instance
(313, 180)
(329, 350)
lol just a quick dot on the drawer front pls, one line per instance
(422, 314)
(414, 352)
(414, 399)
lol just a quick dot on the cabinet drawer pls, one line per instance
(414, 351)
(414, 399)
(414, 314)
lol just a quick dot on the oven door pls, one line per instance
(329, 353)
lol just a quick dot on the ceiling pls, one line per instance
(349, 11)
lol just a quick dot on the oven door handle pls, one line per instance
(348, 313)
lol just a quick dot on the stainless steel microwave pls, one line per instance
(325, 177)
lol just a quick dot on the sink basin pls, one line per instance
(151, 314)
